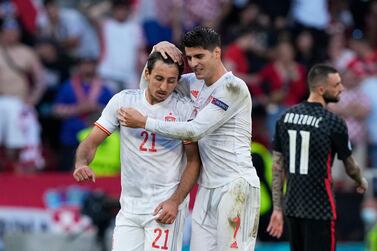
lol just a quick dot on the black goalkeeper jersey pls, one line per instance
(309, 136)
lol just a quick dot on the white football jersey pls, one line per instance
(152, 164)
(222, 126)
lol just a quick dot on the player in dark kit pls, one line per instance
(306, 139)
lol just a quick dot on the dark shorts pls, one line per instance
(311, 235)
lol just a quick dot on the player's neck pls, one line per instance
(150, 99)
(315, 98)
(219, 72)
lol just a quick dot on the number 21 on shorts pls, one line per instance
(161, 238)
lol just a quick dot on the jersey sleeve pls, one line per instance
(225, 102)
(108, 122)
(340, 140)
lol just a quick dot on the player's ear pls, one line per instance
(321, 89)
(146, 74)
(217, 52)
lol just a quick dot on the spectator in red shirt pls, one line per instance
(236, 55)
(280, 84)
(365, 61)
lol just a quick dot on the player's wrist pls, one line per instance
(278, 208)
(80, 165)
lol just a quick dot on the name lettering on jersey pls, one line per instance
(195, 93)
(170, 117)
(219, 103)
(301, 119)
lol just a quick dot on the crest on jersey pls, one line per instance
(195, 93)
(219, 103)
(170, 117)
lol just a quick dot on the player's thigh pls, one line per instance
(238, 217)
(203, 231)
(319, 235)
(165, 236)
(203, 237)
(128, 238)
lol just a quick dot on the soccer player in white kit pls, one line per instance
(226, 210)
(156, 175)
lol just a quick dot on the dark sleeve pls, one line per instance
(340, 139)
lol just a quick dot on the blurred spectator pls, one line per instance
(338, 54)
(280, 84)
(354, 107)
(78, 102)
(24, 12)
(370, 24)
(314, 17)
(236, 56)
(204, 13)
(311, 14)
(161, 20)
(21, 87)
(122, 58)
(369, 86)
(341, 16)
(56, 68)
(304, 44)
(365, 61)
(250, 18)
(70, 29)
(277, 11)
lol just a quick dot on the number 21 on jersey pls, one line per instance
(148, 143)
(304, 151)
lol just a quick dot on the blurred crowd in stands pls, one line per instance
(61, 61)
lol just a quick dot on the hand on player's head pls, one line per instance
(166, 48)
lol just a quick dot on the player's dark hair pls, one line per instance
(204, 37)
(318, 75)
(156, 56)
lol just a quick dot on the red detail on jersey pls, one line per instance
(332, 235)
(328, 181)
(102, 128)
(195, 93)
(170, 117)
(237, 222)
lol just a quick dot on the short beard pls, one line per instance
(330, 99)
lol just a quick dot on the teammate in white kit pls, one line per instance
(156, 175)
(226, 211)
